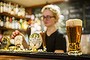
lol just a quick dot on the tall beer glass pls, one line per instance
(74, 30)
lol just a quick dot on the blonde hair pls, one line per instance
(54, 8)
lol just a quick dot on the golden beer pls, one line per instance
(74, 30)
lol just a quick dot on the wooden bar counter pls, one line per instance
(18, 55)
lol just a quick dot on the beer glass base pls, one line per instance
(74, 53)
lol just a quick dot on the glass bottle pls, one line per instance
(16, 9)
(1, 7)
(7, 22)
(13, 22)
(9, 7)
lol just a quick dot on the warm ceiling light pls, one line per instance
(66, 0)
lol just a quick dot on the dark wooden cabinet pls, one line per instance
(80, 10)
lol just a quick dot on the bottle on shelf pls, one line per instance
(13, 22)
(10, 20)
(16, 9)
(7, 23)
(24, 25)
(4, 7)
(9, 7)
(1, 7)
(20, 21)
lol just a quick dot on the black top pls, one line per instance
(55, 41)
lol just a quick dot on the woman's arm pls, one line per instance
(58, 51)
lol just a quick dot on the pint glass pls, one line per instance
(74, 30)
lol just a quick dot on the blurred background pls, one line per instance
(24, 15)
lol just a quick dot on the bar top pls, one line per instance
(45, 55)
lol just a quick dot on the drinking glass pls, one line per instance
(74, 30)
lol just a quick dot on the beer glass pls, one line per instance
(74, 30)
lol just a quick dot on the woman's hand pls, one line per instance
(24, 43)
(15, 33)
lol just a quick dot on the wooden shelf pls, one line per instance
(11, 15)
(6, 29)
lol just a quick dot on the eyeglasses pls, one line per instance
(47, 17)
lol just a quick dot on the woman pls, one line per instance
(54, 40)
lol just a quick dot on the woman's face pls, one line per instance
(48, 18)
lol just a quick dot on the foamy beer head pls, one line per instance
(74, 22)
